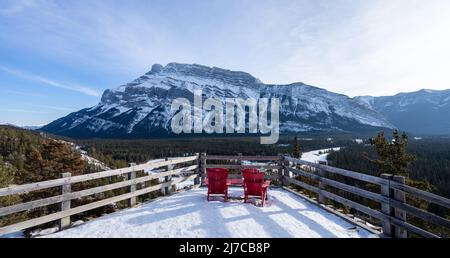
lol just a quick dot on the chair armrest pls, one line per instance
(206, 181)
(228, 182)
(266, 184)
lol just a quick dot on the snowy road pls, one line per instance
(317, 156)
(188, 214)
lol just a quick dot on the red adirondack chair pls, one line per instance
(254, 184)
(218, 182)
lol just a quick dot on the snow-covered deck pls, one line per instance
(188, 214)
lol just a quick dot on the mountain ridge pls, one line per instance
(141, 108)
(422, 112)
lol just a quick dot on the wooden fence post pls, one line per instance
(197, 180)
(132, 188)
(203, 167)
(400, 214)
(65, 205)
(240, 163)
(322, 186)
(281, 169)
(286, 165)
(167, 179)
(385, 207)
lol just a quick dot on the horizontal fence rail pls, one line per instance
(251, 158)
(242, 166)
(67, 197)
(75, 195)
(272, 163)
(392, 197)
(342, 172)
(82, 178)
(283, 169)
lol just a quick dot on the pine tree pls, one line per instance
(393, 157)
(296, 152)
(7, 174)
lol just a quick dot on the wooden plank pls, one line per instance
(132, 188)
(412, 228)
(304, 173)
(286, 173)
(190, 177)
(198, 170)
(272, 177)
(234, 176)
(371, 212)
(73, 211)
(386, 209)
(425, 215)
(19, 189)
(322, 185)
(166, 190)
(252, 158)
(356, 190)
(427, 196)
(240, 162)
(430, 197)
(173, 172)
(75, 195)
(342, 186)
(65, 205)
(241, 166)
(399, 196)
(203, 168)
(281, 168)
(302, 185)
(340, 171)
(58, 215)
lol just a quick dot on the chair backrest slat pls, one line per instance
(217, 179)
(253, 180)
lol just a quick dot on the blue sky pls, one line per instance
(59, 56)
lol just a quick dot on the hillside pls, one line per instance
(29, 156)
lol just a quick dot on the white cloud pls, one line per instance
(386, 48)
(375, 47)
(49, 82)
(17, 110)
(54, 107)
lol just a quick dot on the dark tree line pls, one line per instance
(395, 156)
(430, 165)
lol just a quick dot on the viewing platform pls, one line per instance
(305, 199)
(188, 214)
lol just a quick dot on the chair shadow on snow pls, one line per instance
(211, 218)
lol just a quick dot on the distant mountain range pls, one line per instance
(141, 109)
(421, 112)
(28, 127)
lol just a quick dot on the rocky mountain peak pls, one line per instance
(141, 108)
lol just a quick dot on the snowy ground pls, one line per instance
(188, 214)
(317, 155)
(179, 186)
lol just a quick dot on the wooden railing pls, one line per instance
(392, 196)
(66, 195)
(271, 164)
(283, 169)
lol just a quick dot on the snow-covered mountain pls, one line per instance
(28, 127)
(32, 127)
(425, 111)
(142, 108)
